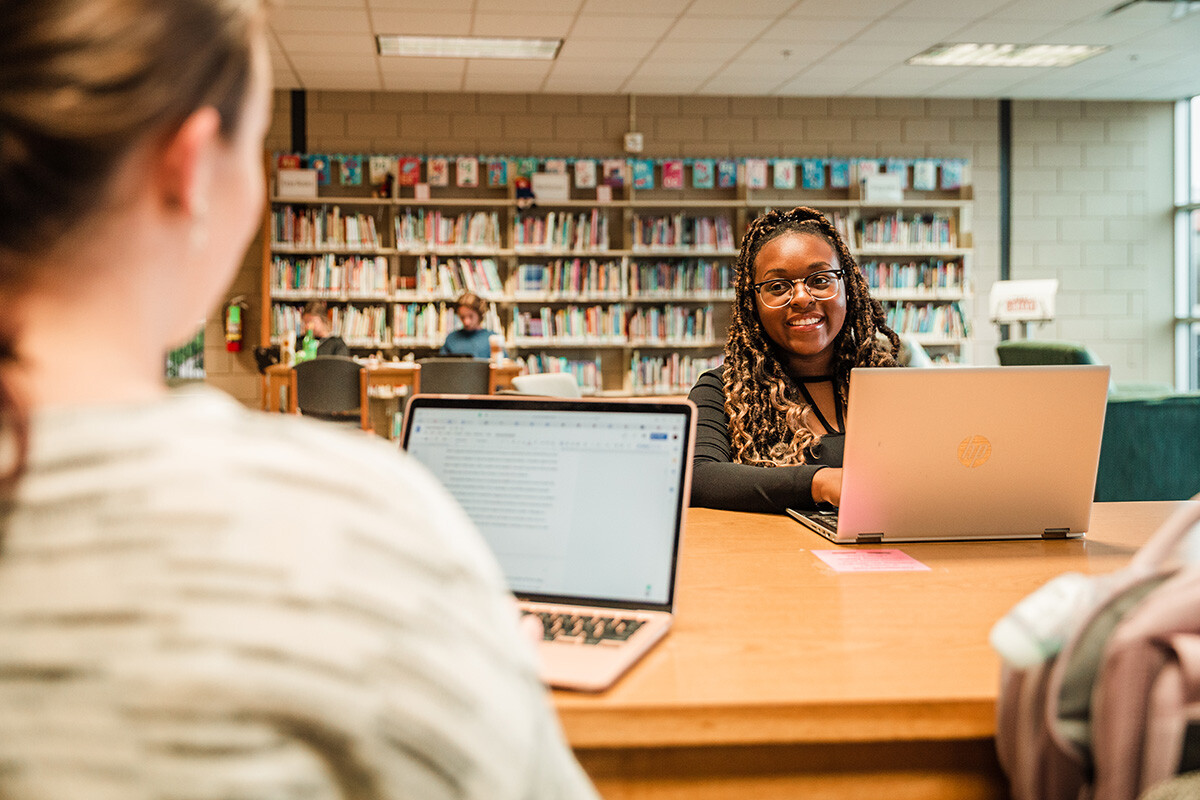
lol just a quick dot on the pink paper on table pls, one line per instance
(870, 561)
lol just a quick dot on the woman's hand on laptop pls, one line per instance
(827, 486)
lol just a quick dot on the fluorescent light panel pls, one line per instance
(1004, 55)
(468, 47)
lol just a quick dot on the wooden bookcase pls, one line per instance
(632, 294)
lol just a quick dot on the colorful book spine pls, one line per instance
(668, 374)
(587, 373)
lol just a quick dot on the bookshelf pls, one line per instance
(630, 294)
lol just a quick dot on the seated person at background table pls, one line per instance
(472, 339)
(770, 425)
(316, 319)
(186, 608)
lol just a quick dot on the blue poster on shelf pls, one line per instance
(726, 173)
(812, 173)
(643, 173)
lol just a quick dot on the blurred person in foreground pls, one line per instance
(197, 600)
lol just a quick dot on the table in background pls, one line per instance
(784, 679)
(393, 375)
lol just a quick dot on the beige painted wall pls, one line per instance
(1091, 184)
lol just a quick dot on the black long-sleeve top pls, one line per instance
(717, 482)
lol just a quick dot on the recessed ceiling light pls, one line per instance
(1004, 55)
(468, 47)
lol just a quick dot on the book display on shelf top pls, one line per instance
(631, 293)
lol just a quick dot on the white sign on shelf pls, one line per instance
(551, 187)
(297, 183)
(1023, 301)
(883, 187)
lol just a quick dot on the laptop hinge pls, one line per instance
(1055, 533)
(868, 538)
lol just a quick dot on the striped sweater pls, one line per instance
(199, 602)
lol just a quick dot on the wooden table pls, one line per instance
(785, 679)
(394, 374)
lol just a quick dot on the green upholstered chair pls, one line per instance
(1151, 448)
(1026, 352)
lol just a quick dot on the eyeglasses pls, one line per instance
(778, 292)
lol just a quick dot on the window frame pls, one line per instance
(1187, 244)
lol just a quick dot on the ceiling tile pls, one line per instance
(350, 4)
(599, 50)
(515, 73)
(437, 24)
(347, 81)
(527, 8)
(423, 83)
(319, 20)
(432, 67)
(672, 50)
(418, 5)
(769, 52)
(1004, 31)
(845, 9)
(633, 8)
(676, 69)
(653, 85)
(307, 63)
(526, 26)
(916, 33)
(585, 68)
(745, 8)
(715, 29)
(580, 84)
(325, 43)
(956, 10)
(800, 31)
(621, 27)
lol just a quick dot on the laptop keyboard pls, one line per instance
(585, 629)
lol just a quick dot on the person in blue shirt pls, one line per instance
(472, 339)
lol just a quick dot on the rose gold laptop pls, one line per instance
(582, 502)
(968, 453)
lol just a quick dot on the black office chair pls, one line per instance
(455, 376)
(332, 388)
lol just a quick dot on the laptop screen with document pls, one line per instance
(578, 500)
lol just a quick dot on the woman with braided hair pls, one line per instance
(771, 429)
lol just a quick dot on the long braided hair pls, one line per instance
(770, 423)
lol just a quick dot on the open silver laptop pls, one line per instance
(582, 502)
(968, 453)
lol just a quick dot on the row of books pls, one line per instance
(920, 230)
(561, 231)
(587, 372)
(430, 322)
(360, 324)
(420, 230)
(592, 324)
(671, 374)
(672, 324)
(931, 274)
(680, 278)
(454, 276)
(682, 231)
(330, 276)
(569, 277)
(322, 226)
(933, 319)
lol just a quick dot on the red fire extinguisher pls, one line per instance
(235, 313)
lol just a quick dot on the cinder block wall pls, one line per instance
(1092, 207)
(1091, 184)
